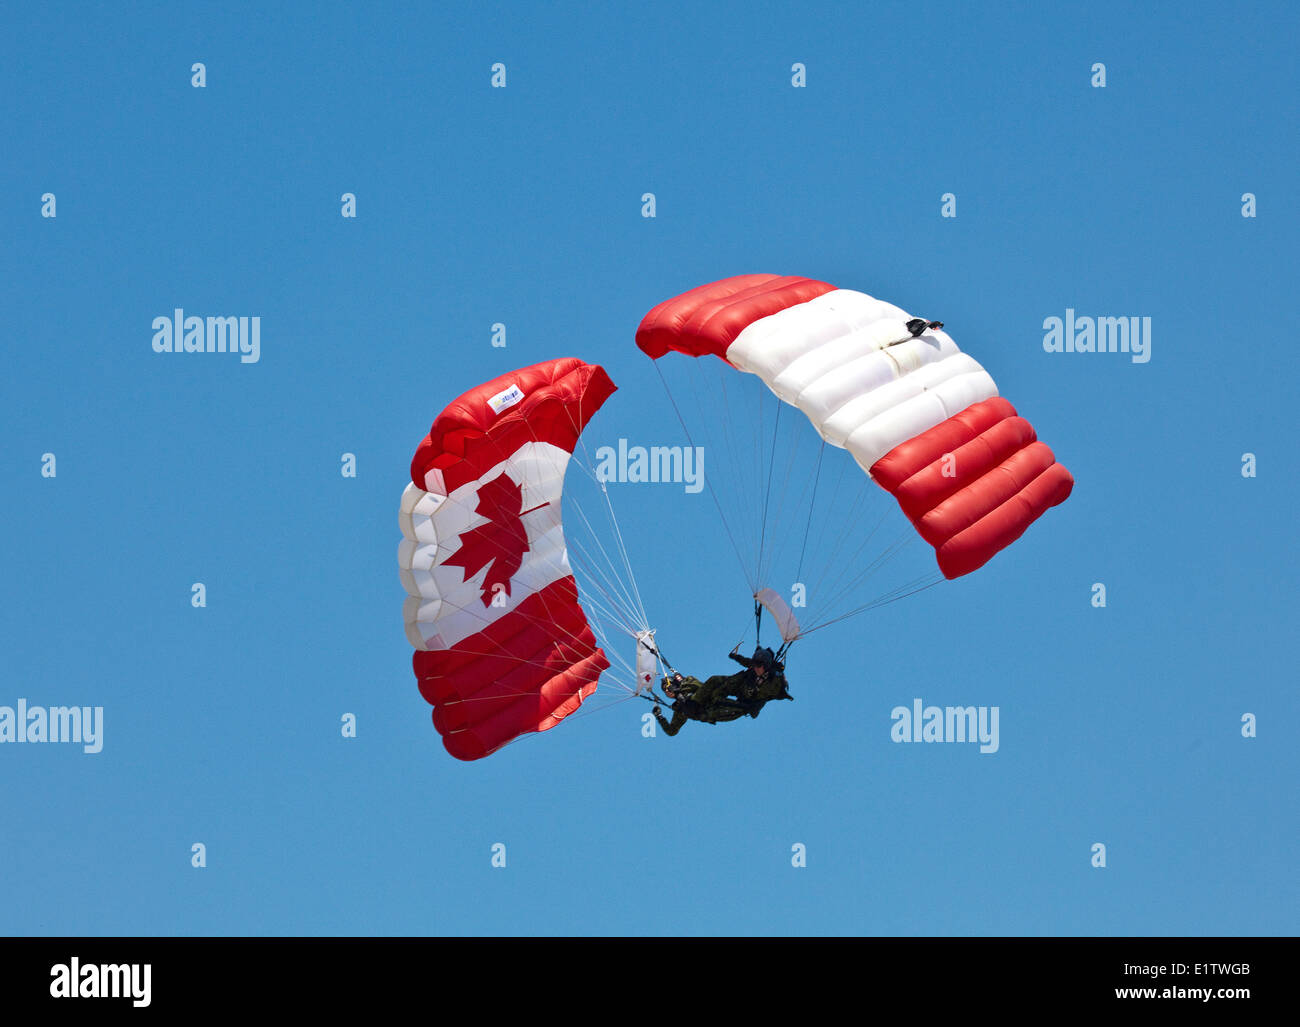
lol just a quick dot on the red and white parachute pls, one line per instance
(503, 647)
(921, 417)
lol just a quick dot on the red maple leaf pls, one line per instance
(501, 542)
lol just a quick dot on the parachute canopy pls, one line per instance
(781, 613)
(502, 646)
(922, 418)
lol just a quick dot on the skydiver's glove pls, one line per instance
(656, 711)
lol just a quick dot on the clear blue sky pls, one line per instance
(522, 206)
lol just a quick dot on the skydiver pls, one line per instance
(916, 326)
(693, 699)
(725, 697)
(764, 682)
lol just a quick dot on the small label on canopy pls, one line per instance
(505, 398)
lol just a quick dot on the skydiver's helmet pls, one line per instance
(765, 658)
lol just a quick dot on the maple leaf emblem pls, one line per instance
(501, 542)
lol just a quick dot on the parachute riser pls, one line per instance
(659, 656)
